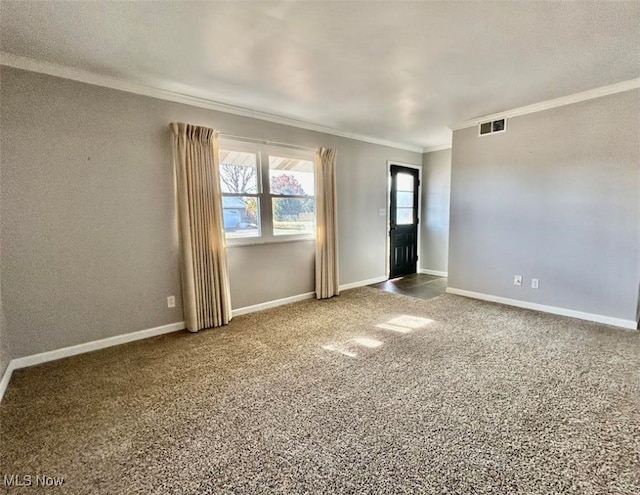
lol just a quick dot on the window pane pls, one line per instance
(293, 216)
(291, 176)
(404, 199)
(241, 216)
(404, 182)
(238, 172)
(404, 216)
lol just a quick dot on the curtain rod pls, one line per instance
(265, 141)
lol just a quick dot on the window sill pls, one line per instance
(236, 243)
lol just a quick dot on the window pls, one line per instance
(404, 199)
(268, 193)
(240, 198)
(292, 186)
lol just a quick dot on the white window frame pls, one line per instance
(263, 151)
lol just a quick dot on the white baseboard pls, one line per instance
(95, 345)
(362, 283)
(74, 350)
(273, 304)
(301, 297)
(433, 272)
(607, 320)
(4, 383)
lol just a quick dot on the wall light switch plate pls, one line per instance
(517, 280)
(171, 302)
(382, 212)
(535, 283)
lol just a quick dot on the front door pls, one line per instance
(403, 221)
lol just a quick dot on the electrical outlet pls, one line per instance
(517, 280)
(171, 302)
(535, 283)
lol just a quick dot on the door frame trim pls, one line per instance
(388, 208)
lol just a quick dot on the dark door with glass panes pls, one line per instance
(403, 221)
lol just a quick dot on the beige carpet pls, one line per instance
(315, 398)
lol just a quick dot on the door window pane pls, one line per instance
(404, 199)
(241, 216)
(404, 182)
(293, 215)
(238, 172)
(291, 176)
(404, 216)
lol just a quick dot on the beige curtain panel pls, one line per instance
(327, 224)
(205, 277)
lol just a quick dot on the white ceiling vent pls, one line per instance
(493, 127)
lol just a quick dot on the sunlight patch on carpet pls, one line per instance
(368, 342)
(404, 323)
(339, 350)
(394, 328)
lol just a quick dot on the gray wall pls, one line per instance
(434, 231)
(556, 197)
(88, 226)
(263, 272)
(5, 355)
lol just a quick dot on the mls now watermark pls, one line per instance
(31, 480)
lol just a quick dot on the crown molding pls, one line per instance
(439, 147)
(75, 74)
(590, 94)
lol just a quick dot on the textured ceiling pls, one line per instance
(400, 71)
